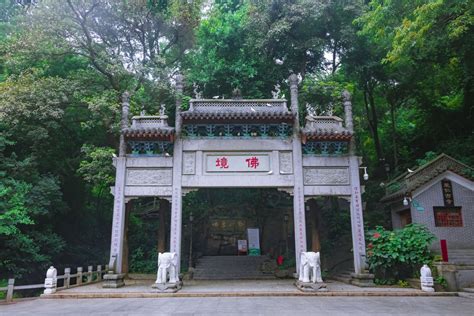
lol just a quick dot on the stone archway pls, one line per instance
(238, 143)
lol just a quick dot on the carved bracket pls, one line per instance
(185, 191)
(290, 191)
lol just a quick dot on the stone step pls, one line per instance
(230, 268)
(239, 277)
(236, 273)
(342, 279)
(461, 256)
(468, 262)
(343, 276)
(461, 253)
(204, 274)
(468, 289)
(229, 272)
(471, 250)
(232, 259)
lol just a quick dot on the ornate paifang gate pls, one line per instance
(237, 143)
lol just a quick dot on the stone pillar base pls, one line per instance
(167, 287)
(362, 279)
(311, 287)
(449, 272)
(113, 281)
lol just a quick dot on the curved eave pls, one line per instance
(327, 136)
(394, 196)
(234, 117)
(413, 186)
(149, 134)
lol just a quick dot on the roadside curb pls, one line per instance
(245, 294)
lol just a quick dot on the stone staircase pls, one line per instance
(343, 276)
(464, 261)
(461, 256)
(231, 268)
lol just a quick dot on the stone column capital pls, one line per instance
(179, 82)
(293, 80)
(125, 97)
(346, 96)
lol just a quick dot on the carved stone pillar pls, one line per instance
(124, 123)
(176, 199)
(298, 197)
(118, 217)
(346, 96)
(357, 218)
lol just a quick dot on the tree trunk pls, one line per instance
(373, 120)
(163, 207)
(394, 135)
(315, 226)
(128, 208)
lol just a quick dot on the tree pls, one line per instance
(222, 61)
(425, 47)
(127, 42)
(28, 202)
(337, 20)
(290, 33)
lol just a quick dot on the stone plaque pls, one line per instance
(149, 176)
(326, 176)
(189, 162)
(234, 162)
(286, 162)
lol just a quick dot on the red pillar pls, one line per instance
(444, 250)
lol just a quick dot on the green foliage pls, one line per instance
(96, 169)
(398, 254)
(402, 283)
(143, 249)
(223, 62)
(424, 55)
(143, 261)
(28, 201)
(430, 155)
(13, 204)
(441, 281)
(323, 92)
(289, 261)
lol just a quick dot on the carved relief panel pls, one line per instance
(326, 176)
(189, 162)
(149, 176)
(286, 162)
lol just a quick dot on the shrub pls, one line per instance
(398, 254)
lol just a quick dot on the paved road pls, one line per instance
(246, 306)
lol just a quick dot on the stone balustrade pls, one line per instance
(50, 284)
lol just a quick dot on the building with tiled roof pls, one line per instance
(438, 194)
